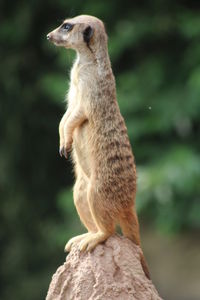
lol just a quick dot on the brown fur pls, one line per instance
(105, 188)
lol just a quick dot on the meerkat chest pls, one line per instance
(81, 84)
(72, 94)
(75, 90)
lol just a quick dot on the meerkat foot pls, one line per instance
(75, 240)
(91, 241)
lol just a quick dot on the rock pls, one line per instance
(112, 271)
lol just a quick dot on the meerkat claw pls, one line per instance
(66, 149)
(61, 152)
(65, 152)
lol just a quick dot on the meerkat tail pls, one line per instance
(144, 266)
(130, 226)
(130, 229)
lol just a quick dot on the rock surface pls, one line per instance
(111, 271)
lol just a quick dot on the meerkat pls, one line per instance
(105, 188)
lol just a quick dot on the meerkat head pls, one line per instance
(80, 33)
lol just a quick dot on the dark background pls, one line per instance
(155, 53)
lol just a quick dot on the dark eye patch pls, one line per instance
(67, 26)
(87, 34)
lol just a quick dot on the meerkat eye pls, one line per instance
(67, 26)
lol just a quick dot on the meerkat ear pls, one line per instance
(87, 34)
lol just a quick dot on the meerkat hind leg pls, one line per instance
(82, 207)
(81, 202)
(103, 221)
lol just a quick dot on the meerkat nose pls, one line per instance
(48, 36)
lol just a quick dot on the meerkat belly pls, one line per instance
(81, 154)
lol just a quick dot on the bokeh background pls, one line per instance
(155, 52)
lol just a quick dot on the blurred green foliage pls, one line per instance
(155, 53)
